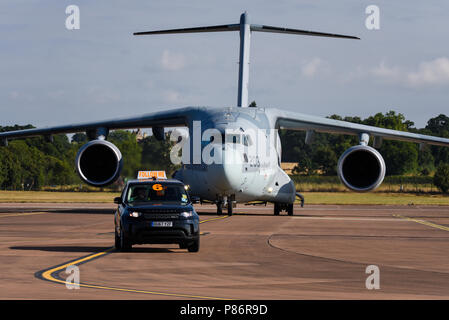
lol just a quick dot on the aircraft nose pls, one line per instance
(228, 175)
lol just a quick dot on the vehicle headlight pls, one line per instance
(187, 214)
(135, 214)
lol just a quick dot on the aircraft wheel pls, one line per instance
(277, 209)
(230, 208)
(290, 209)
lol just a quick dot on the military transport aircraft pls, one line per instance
(241, 176)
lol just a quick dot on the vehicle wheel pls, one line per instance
(229, 208)
(276, 209)
(219, 208)
(117, 241)
(194, 247)
(290, 209)
(125, 244)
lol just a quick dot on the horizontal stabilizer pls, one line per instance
(245, 29)
(263, 28)
(221, 28)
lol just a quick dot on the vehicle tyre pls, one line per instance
(195, 246)
(290, 209)
(276, 209)
(125, 244)
(117, 241)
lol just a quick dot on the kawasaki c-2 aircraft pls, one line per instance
(241, 176)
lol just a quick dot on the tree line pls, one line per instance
(401, 158)
(32, 163)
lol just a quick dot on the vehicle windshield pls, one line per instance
(157, 193)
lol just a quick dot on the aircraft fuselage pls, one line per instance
(234, 153)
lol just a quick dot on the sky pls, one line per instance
(51, 75)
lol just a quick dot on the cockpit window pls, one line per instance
(247, 140)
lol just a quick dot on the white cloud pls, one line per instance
(312, 67)
(386, 72)
(21, 96)
(172, 61)
(171, 96)
(435, 72)
(428, 73)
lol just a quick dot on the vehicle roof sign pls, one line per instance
(160, 175)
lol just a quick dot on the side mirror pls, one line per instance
(118, 200)
(195, 199)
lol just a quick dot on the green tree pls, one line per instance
(439, 126)
(80, 138)
(441, 178)
(325, 160)
(130, 149)
(156, 154)
(400, 157)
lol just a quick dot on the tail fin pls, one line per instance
(245, 29)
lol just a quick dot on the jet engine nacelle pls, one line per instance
(99, 163)
(361, 168)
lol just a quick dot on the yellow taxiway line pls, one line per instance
(49, 275)
(426, 223)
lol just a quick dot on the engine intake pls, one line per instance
(361, 168)
(99, 163)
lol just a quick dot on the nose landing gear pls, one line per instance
(225, 201)
(278, 207)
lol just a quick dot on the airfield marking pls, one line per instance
(50, 274)
(349, 219)
(427, 223)
(21, 214)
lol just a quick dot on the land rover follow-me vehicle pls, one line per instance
(153, 209)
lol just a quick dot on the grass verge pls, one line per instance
(341, 198)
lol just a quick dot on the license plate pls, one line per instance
(162, 224)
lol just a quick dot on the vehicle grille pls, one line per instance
(162, 214)
(156, 216)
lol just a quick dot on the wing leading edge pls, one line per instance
(298, 121)
(172, 118)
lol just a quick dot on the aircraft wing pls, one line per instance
(171, 118)
(298, 121)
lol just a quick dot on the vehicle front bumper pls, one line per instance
(182, 232)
